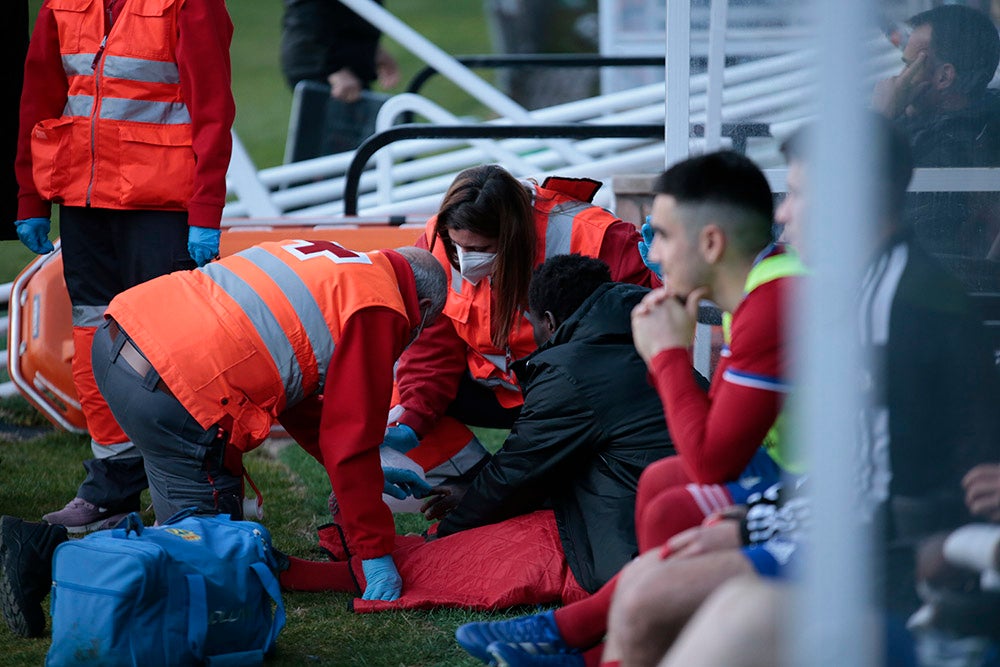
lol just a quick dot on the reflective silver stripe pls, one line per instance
(88, 316)
(266, 325)
(78, 64)
(78, 105)
(456, 280)
(559, 231)
(142, 111)
(498, 360)
(496, 382)
(305, 306)
(137, 69)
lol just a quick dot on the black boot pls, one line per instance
(26, 550)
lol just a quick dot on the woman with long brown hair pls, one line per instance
(491, 231)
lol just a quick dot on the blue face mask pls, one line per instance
(474, 266)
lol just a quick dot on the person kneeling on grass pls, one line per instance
(261, 336)
(590, 424)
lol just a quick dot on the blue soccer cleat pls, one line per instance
(536, 634)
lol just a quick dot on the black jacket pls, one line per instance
(590, 423)
(957, 223)
(319, 37)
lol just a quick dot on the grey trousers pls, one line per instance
(184, 462)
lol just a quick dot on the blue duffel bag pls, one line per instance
(194, 590)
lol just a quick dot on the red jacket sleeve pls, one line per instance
(620, 251)
(429, 373)
(301, 422)
(716, 434)
(205, 33)
(430, 370)
(43, 96)
(355, 403)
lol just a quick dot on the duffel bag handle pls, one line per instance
(197, 630)
(270, 584)
(133, 524)
(180, 514)
(198, 620)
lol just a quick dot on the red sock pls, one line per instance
(658, 477)
(310, 575)
(583, 624)
(677, 509)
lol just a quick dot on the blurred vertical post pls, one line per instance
(678, 81)
(832, 622)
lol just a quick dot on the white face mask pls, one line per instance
(475, 266)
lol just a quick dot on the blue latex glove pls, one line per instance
(383, 580)
(203, 244)
(401, 483)
(402, 438)
(647, 240)
(34, 233)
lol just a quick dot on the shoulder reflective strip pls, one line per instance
(772, 268)
(78, 64)
(143, 111)
(498, 360)
(266, 325)
(456, 280)
(88, 316)
(727, 328)
(308, 311)
(755, 381)
(137, 69)
(559, 228)
(880, 312)
(496, 382)
(78, 105)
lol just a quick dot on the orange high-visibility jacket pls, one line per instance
(241, 339)
(565, 222)
(124, 137)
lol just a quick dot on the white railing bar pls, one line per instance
(436, 113)
(597, 169)
(251, 191)
(448, 67)
(717, 38)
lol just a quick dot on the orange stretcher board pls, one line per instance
(40, 334)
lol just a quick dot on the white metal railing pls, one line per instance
(410, 177)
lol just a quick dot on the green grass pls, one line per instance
(39, 474)
(42, 473)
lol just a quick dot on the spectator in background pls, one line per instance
(941, 103)
(125, 123)
(921, 330)
(547, 27)
(324, 41)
